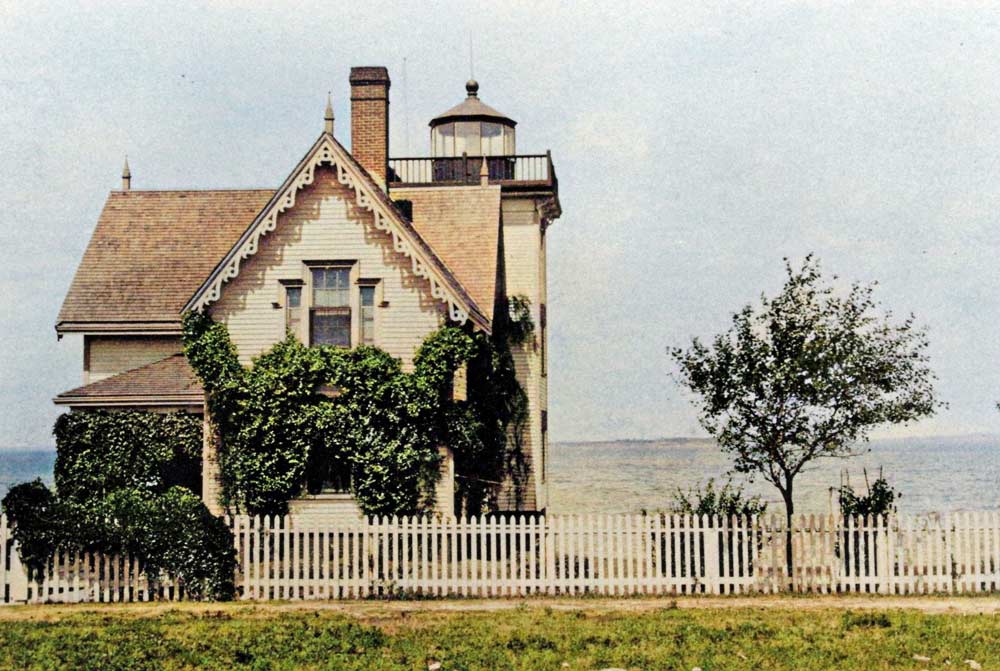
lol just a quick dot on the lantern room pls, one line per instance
(472, 128)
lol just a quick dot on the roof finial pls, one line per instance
(328, 116)
(484, 174)
(472, 88)
(126, 176)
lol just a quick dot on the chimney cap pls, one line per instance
(369, 74)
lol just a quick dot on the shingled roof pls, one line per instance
(462, 227)
(155, 253)
(170, 381)
(149, 253)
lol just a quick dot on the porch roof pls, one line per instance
(168, 382)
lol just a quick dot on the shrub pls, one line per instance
(727, 501)
(170, 533)
(173, 533)
(37, 522)
(879, 500)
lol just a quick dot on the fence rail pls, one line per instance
(294, 557)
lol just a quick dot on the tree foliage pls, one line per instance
(276, 432)
(124, 483)
(807, 375)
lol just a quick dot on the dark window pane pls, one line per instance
(338, 479)
(294, 296)
(331, 329)
(367, 296)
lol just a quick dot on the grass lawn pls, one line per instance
(539, 636)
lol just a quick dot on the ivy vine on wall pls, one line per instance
(277, 434)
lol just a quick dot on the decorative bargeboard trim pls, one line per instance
(325, 153)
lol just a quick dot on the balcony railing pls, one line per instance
(529, 171)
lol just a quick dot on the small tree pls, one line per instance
(804, 376)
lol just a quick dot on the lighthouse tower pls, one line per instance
(473, 147)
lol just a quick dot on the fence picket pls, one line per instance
(289, 557)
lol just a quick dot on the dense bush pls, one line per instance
(38, 522)
(169, 533)
(99, 452)
(120, 480)
(173, 533)
(276, 432)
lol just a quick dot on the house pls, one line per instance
(354, 247)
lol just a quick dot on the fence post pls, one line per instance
(710, 534)
(890, 554)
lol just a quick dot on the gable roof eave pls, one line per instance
(405, 239)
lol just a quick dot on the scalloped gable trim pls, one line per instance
(405, 240)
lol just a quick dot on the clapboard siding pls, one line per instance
(323, 225)
(109, 355)
(523, 276)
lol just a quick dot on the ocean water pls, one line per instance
(21, 465)
(933, 474)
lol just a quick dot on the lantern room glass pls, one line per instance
(473, 138)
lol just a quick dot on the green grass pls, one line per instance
(535, 638)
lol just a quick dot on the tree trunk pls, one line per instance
(786, 494)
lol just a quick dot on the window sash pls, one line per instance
(331, 287)
(330, 326)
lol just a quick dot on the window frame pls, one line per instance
(355, 287)
(285, 286)
(375, 284)
(308, 296)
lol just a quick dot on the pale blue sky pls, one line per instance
(695, 148)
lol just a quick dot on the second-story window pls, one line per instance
(293, 309)
(330, 315)
(367, 314)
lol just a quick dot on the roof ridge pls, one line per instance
(268, 189)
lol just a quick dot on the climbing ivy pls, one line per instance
(100, 451)
(277, 433)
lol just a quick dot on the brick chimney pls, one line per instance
(370, 120)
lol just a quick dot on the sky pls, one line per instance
(696, 144)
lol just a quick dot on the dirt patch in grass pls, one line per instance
(374, 611)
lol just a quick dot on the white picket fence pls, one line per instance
(294, 557)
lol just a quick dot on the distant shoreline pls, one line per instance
(676, 440)
(690, 440)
